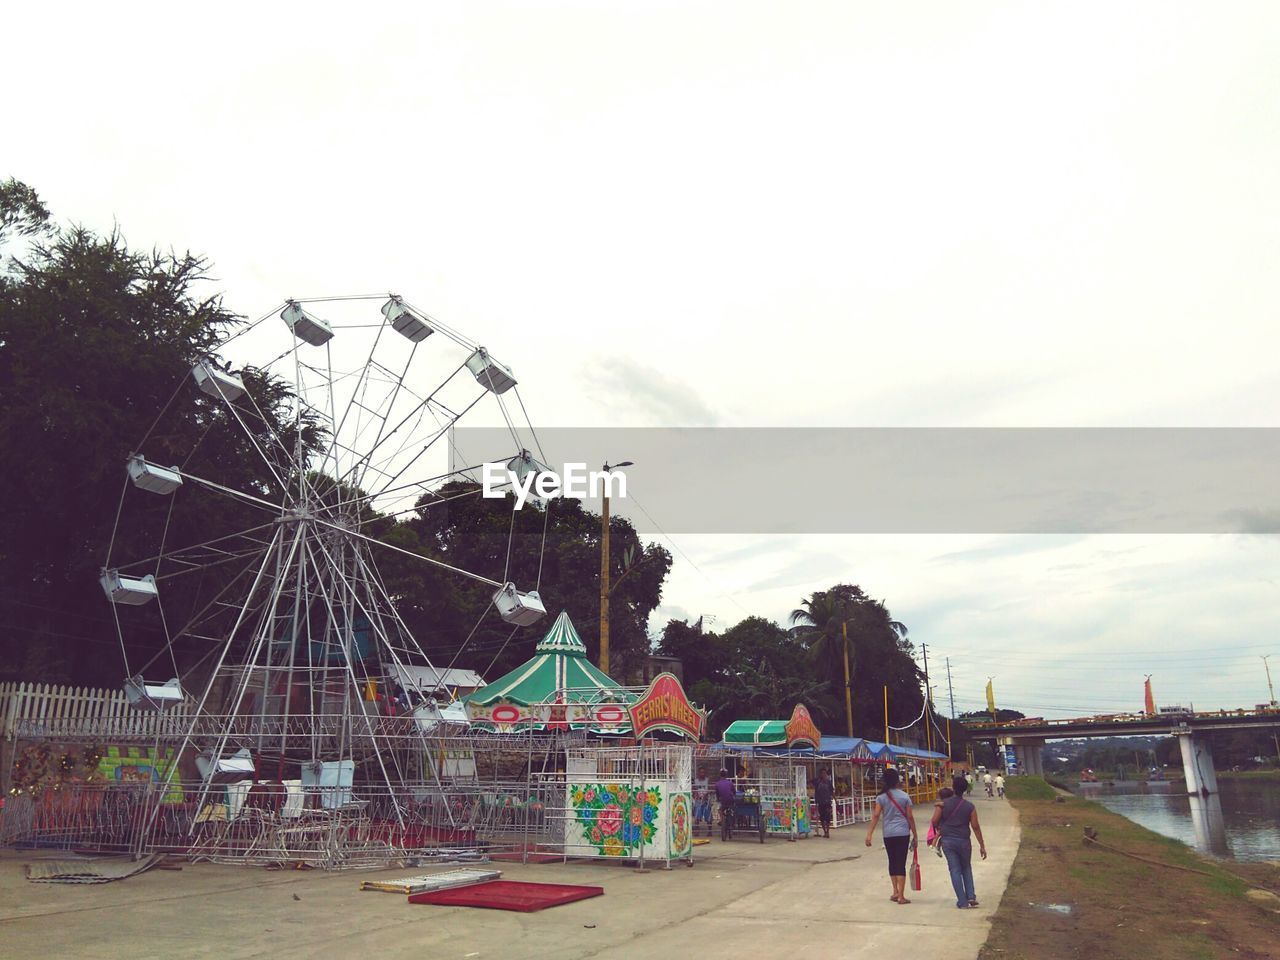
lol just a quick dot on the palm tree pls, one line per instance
(823, 617)
(821, 622)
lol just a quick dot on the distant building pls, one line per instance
(655, 664)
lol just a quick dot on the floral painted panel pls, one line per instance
(615, 818)
(681, 825)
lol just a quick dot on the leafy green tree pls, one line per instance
(22, 213)
(451, 616)
(879, 655)
(95, 341)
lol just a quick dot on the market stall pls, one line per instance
(770, 776)
(635, 801)
(620, 792)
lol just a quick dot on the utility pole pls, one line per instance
(928, 720)
(886, 714)
(1275, 739)
(950, 692)
(848, 692)
(604, 579)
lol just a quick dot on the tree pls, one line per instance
(879, 656)
(95, 341)
(451, 616)
(21, 211)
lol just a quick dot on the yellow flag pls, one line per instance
(991, 698)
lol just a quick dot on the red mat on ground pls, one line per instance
(508, 895)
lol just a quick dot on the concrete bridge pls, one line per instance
(1027, 737)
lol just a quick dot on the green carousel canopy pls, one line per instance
(757, 733)
(559, 686)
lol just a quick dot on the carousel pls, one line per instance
(621, 787)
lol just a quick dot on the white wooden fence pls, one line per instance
(49, 711)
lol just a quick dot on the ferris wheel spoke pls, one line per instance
(416, 410)
(429, 444)
(172, 554)
(398, 380)
(256, 446)
(287, 462)
(361, 385)
(348, 649)
(240, 495)
(409, 553)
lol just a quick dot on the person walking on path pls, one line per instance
(823, 798)
(953, 820)
(893, 810)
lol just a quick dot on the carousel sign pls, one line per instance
(801, 730)
(664, 706)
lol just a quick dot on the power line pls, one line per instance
(676, 547)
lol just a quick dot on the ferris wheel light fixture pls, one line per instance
(131, 591)
(405, 322)
(155, 479)
(306, 327)
(216, 382)
(489, 373)
(519, 609)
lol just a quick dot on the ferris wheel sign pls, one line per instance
(801, 730)
(664, 706)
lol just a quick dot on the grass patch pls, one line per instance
(1028, 788)
(1121, 908)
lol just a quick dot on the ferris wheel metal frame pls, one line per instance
(309, 608)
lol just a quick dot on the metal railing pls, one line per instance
(361, 825)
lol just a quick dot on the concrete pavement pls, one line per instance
(827, 898)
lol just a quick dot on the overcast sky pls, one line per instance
(757, 214)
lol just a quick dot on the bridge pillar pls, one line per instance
(1197, 764)
(1026, 755)
(1035, 760)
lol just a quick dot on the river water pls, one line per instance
(1241, 823)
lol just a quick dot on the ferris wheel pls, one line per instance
(341, 415)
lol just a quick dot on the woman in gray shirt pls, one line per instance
(893, 810)
(953, 819)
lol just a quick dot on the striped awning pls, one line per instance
(757, 733)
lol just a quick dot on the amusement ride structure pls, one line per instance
(306, 677)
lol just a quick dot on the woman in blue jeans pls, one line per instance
(952, 819)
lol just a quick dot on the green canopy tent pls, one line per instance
(757, 733)
(558, 688)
